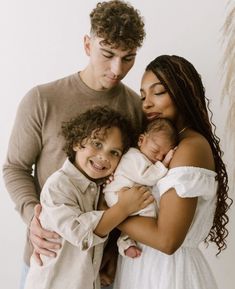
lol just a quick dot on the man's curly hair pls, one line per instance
(118, 24)
(92, 122)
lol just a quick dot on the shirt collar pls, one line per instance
(78, 178)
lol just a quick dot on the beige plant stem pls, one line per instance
(228, 92)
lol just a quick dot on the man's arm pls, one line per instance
(23, 150)
(25, 146)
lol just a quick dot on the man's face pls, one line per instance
(107, 66)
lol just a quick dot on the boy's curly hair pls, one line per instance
(90, 123)
(118, 24)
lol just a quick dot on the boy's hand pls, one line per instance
(134, 199)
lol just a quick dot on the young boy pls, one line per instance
(95, 142)
(143, 166)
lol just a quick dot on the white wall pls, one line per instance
(42, 41)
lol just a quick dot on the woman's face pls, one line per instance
(156, 102)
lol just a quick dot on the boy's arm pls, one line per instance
(62, 213)
(129, 201)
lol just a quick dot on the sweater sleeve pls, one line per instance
(24, 147)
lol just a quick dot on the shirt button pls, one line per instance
(92, 186)
(85, 244)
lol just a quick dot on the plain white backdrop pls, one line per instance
(41, 41)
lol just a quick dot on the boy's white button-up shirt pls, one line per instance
(69, 207)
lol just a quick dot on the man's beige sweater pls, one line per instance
(35, 146)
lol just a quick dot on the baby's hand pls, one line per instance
(133, 252)
(168, 157)
(134, 199)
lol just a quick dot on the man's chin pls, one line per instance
(111, 82)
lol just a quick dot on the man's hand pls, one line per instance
(108, 270)
(107, 273)
(109, 261)
(38, 236)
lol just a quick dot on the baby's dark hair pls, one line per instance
(93, 121)
(118, 23)
(163, 124)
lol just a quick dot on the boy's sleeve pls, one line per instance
(62, 212)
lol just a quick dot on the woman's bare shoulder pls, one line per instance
(193, 150)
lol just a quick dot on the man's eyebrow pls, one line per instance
(113, 53)
(108, 51)
(131, 54)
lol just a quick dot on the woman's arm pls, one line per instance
(168, 231)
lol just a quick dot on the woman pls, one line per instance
(192, 197)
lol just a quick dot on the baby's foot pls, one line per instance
(133, 252)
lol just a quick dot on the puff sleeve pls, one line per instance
(189, 182)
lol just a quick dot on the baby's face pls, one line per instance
(155, 145)
(100, 154)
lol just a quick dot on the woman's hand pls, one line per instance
(39, 236)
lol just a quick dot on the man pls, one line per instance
(35, 146)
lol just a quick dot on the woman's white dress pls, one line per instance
(187, 267)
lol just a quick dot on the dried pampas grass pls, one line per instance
(228, 92)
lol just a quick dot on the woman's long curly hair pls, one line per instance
(185, 87)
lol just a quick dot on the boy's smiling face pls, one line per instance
(100, 154)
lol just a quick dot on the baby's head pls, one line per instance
(96, 140)
(159, 137)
